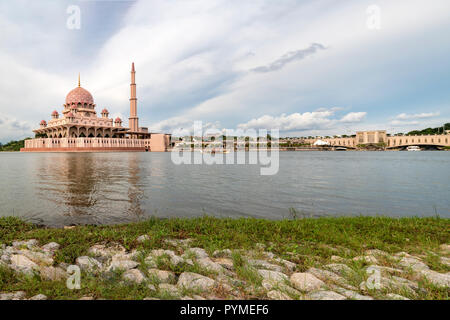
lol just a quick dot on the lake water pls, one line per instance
(105, 188)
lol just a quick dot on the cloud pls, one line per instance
(302, 121)
(290, 57)
(405, 116)
(353, 117)
(399, 123)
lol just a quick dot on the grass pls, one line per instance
(307, 242)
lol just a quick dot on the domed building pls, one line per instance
(78, 128)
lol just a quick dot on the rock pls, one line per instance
(86, 298)
(133, 275)
(337, 259)
(341, 269)
(445, 248)
(350, 294)
(18, 295)
(150, 298)
(274, 276)
(413, 263)
(22, 264)
(306, 282)
(277, 295)
(222, 253)
(376, 252)
(209, 265)
(169, 289)
(151, 262)
(326, 295)
(382, 270)
(52, 273)
(385, 284)
(262, 264)
(5, 258)
(194, 281)
(445, 261)
(270, 285)
(122, 265)
(143, 238)
(287, 264)
(88, 264)
(107, 251)
(436, 278)
(225, 262)
(199, 253)
(326, 276)
(161, 276)
(51, 247)
(151, 287)
(174, 259)
(39, 297)
(393, 296)
(30, 244)
(366, 259)
(38, 257)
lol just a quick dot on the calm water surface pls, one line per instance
(104, 188)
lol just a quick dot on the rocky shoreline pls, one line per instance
(179, 270)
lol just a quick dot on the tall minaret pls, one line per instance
(133, 120)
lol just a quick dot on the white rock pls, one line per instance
(306, 282)
(107, 251)
(22, 264)
(161, 276)
(393, 296)
(122, 265)
(222, 253)
(273, 275)
(436, 278)
(350, 294)
(30, 244)
(133, 275)
(210, 265)
(40, 258)
(262, 264)
(366, 259)
(18, 295)
(194, 281)
(52, 247)
(39, 297)
(143, 238)
(270, 285)
(88, 264)
(52, 273)
(413, 263)
(199, 253)
(341, 269)
(277, 295)
(169, 289)
(326, 295)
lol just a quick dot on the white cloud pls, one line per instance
(302, 121)
(354, 117)
(405, 116)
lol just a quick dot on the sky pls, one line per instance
(305, 67)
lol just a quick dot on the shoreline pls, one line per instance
(245, 258)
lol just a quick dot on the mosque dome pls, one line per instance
(105, 111)
(118, 120)
(79, 95)
(43, 123)
(55, 113)
(70, 115)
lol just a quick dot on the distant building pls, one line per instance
(78, 128)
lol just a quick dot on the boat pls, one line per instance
(413, 148)
(340, 149)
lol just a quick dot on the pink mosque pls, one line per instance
(78, 129)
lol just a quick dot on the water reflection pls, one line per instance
(91, 188)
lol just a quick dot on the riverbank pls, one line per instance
(211, 258)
